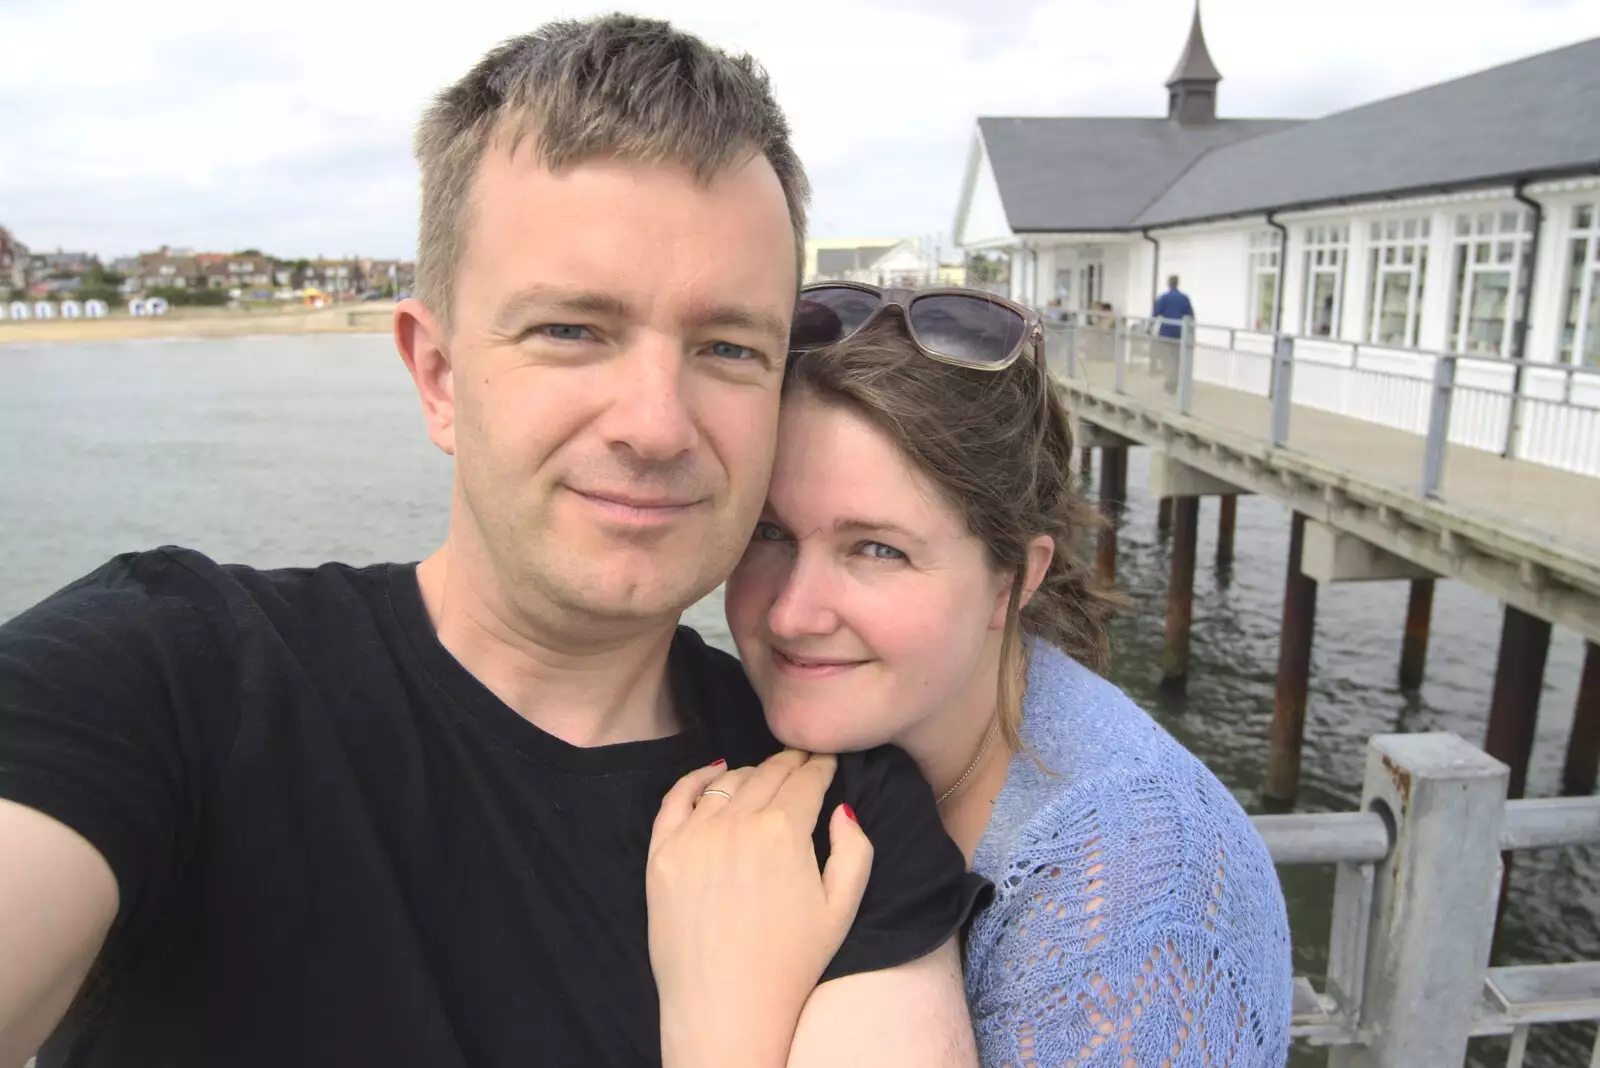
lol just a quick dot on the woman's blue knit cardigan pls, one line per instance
(1137, 919)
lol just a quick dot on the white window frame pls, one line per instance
(1326, 249)
(1397, 248)
(1264, 261)
(1482, 243)
(1585, 331)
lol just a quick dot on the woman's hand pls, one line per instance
(742, 925)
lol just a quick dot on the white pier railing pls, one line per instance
(1542, 413)
(1416, 895)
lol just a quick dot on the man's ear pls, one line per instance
(1041, 550)
(424, 345)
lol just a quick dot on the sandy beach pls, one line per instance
(363, 318)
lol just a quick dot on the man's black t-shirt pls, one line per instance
(335, 846)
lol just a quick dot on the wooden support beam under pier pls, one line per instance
(1180, 593)
(1294, 673)
(1419, 620)
(1113, 499)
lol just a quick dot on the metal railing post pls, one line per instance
(1514, 411)
(1433, 901)
(1119, 354)
(1186, 366)
(1282, 388)
(1444, 380)
(1072, 348)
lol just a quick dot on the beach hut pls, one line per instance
(71, 309)
(95, 309)
(19, 310)
(156, 306)
(136, 307)
(43, 309)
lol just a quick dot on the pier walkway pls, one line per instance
(1395, 465)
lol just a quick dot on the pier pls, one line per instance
(1395, 465)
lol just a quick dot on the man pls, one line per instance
(399, 815)
(1172, 307)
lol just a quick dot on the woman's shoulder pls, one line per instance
(1097, 763)
(1085, 740)
(1118, 857)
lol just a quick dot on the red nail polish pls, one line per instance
(850, 812)
(717, 763)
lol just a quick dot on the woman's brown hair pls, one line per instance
(998, 445)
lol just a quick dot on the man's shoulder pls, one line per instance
(177, 586)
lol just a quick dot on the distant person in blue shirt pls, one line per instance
(1172, 307)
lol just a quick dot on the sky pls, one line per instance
(126, 126)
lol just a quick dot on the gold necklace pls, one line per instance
(982, 749)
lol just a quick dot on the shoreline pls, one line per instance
(375, 317)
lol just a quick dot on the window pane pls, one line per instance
(1486, 315)
(1410, 229)
(1377, 231)
(1591, 343)
(1578, 252)
(1505, 252)
(1421, 282)
(1396, 295)
(1485, 223)
(1319, 315)
(1457, 295)
(1480, 252)
(1408, 254)
(1463, 225)
(1427, 225)
(1266, 300)
(1508, 222)
(1581, 216)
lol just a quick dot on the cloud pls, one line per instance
(191, 123)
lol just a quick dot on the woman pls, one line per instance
(918, 578)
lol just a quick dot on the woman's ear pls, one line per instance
(1041, 550)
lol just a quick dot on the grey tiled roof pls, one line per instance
(1535, 116)
(1097, 174)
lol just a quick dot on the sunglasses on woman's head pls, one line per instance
(965, 327)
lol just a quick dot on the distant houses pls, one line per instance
(1463, 217)
(212, 277)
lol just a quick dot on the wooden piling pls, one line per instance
(1164, 517)
(1113, 498)
(1583, 748)
(1514, 707)
(1225, 525)
(1294, 674)
(1180, 593)
(1414, 647)
(1514, 714)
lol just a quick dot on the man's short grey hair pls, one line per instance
(617, 86)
